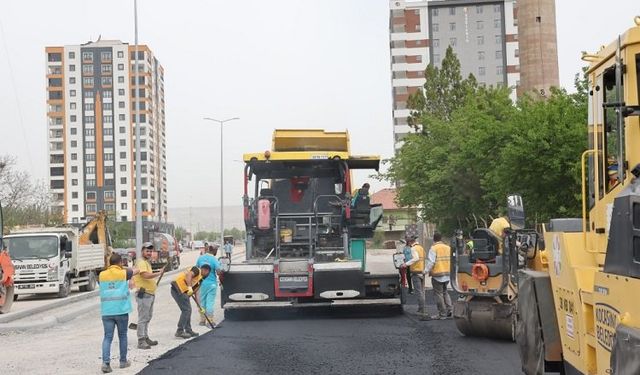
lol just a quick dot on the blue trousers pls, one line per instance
(208, 296)
(109, 323)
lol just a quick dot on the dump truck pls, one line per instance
(6, 272)
(484, 271)
(306, 235)
(581, 315)
(55, 259)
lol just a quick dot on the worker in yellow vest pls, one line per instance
(182, 288)
(416, 267)
(439, 266)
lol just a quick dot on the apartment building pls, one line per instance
(484, 34)
(91, 132)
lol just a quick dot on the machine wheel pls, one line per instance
(91, 284)
(485, 318)
(65, 288)
(6, 298)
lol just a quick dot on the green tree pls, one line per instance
(180, 233)
(122, 234)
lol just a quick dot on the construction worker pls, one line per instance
(439, 266)
(182, 288)
(209, 287)
(407, 256)
(360, 194)
(498, 227)
(416, 267)
(145, 296)
(115, 306)
(228, 249)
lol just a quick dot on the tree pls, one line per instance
(180, 233)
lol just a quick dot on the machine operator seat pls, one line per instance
(485, 245)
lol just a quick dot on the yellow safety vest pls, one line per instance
(442, 266)
(418, 267)
(181, 281)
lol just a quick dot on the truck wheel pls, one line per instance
(91, 284)
(65, 288)
(15, 297)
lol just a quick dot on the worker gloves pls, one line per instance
(202, 311)
(190, 291)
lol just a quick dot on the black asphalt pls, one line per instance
(347, 341)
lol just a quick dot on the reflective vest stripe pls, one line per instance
(181, 281)
(418, 267)
(114, 291)
(442, 267)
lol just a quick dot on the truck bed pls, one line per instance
(88, 257)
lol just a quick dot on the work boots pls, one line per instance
(192, 333)
(182, 334)
(142, 343)
(150, 342)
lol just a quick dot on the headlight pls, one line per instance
(52, 273)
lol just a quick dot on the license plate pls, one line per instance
(294, 279)
(26, 286)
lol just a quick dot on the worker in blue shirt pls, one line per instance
(209, 287)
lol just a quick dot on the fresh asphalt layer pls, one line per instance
(345, 341)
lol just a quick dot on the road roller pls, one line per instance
(484, 273)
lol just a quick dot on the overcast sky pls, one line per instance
(274, 64)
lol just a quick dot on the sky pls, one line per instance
(274, 64)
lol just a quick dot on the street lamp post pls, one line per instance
(138, 182)
(221, 122)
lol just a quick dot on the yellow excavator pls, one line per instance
(484, 273)
(95, 232)
(581, 315)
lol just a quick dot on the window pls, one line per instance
(499, 70)
(436, 43)
(108, 119)
(479, 9)
(107, 106)
(436, 59)
(435, 27)
(87, 69)
(480, 55)
(497, 24)
(123, 180)
(144, 194)
(120, 79)
(481, 71)
(55, 158)
(109, 194)
(74, 143)
(106, 68)
(122, 117)
(496, 8)
(88, 94)
(55, 57)
(74, 156)
(434, 12)
(479, 25)
(55, 82)
(120, 91)
(89, 119)
(498, 39)
(57, 184)
(143, 181)
(143, 117)
(516, 53)
(72, 80)
(73, 118)
(123, 167)
(92, 207)
(140, 55)
(73, 131)
(498, 55)
(452, 11)
(120, 104)
(74, 169)
(123, 206)
(87, 56)
(72, 55)
(123, 193)
(107, 131)
(72, 105)
(453, 42)
(87, 81)
(123, 155)
(122, 130)
(91, 195)
(452, 26)
(72, 92)
(89, 144)
(107, 94)
(74, 195)
(109, 206)
(480, 40)
(74, 182)
(55, 95)
(74, 207)
(88, 106)
(123, 142)
(120, 54)
(105, 56)
(91, 182)
(107, 81)
(108, 156)
(120, 66)
(90, 157)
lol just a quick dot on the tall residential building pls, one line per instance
(484, 34)
(90, 113)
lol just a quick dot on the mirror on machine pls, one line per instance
(515, 211)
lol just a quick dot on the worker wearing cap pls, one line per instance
(439, 267)
(416, 266)
(182, 288)
(145, 295)
(209, 287)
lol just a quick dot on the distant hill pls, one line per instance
(206, 218)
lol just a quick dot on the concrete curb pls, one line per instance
(53, 305)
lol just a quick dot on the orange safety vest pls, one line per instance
(442, 267)
(181, 281)
(418, 267)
